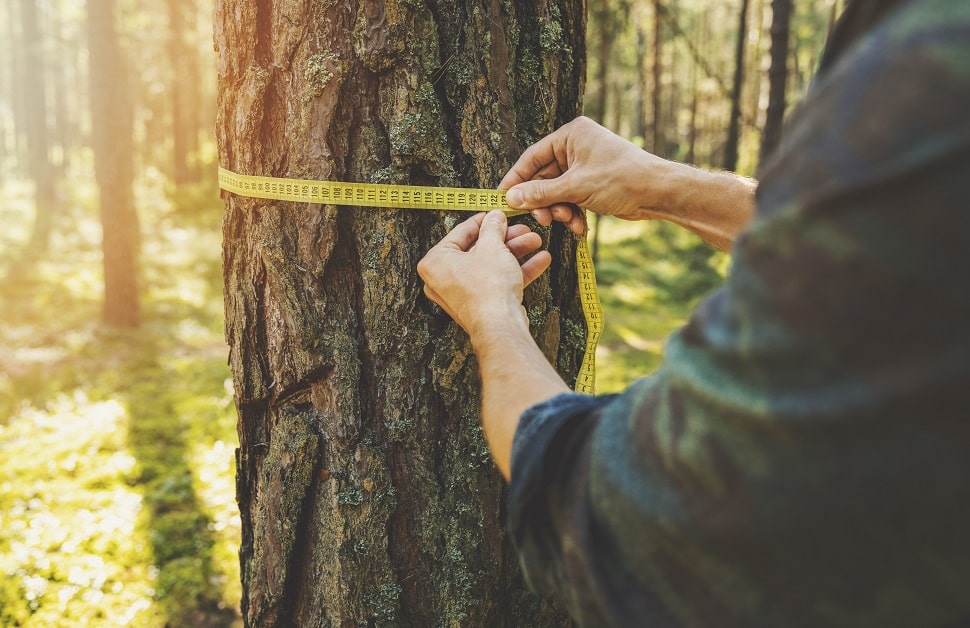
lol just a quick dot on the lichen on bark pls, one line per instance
(367, 492)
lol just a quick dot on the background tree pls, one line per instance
(366, 490)
(734, 122)
(111, 118)
(781, 15)
(34, 120)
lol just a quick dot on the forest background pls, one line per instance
(117, 425)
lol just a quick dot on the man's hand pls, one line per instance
(582, 164)
(475, 275)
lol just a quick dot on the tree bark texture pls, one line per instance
(367, 493)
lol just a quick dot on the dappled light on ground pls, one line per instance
(117, 498)
(650, 277)
(80, 527)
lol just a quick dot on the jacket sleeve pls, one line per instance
(801, 458)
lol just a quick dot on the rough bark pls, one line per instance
(111, 118)
(366, 491)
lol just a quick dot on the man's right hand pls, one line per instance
(583, 164)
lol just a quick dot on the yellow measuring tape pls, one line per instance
(425, 197)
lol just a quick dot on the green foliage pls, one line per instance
(650, 276)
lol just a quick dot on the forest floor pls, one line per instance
(117, 498)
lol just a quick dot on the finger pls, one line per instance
(431, 294)
(533, 267)
(524, 244)
(494, 226)
(464, 235)
(532, 160)
(571, 216)
(515, 231)
(543, 216)
(543, 193)
(562, 212)
(577, 224)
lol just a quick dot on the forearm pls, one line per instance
(515, 376)
(714, 205)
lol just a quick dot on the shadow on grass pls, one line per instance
(169, 378)
(189, 583)
(170, 394)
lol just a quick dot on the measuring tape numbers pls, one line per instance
(426, 197)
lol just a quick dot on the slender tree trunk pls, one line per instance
(111, 118)
(734, 123)
(366, 491)
(63, 124)
(39, 167)
(691, 157)
(639, 110)
(7, 47)
(606, 33)
(657, 139)
(781, 13)
(183, 80)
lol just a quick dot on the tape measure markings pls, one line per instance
(363, 194)
(426, 197)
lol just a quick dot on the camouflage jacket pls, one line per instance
(802, 457)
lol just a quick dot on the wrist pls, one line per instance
(498, 327)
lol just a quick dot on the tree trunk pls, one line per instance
(185, 81)
(111, 118)
(781, 14)
(602, 16)
(178, 56)
(39, 167)
(606, 26)
(8, 46)
(63, 124)
(734, 123)
(367, 493)
(657, 138)
(639, 122)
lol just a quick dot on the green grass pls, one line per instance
(650, 276)
(116, 474)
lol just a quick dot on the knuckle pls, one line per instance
(424, 269)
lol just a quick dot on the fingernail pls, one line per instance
(514, 197)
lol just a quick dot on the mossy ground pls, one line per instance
(117, 502)
(650, 276)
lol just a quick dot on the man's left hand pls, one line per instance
(475, 273)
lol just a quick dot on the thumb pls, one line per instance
(494, 227)
(540, 193)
